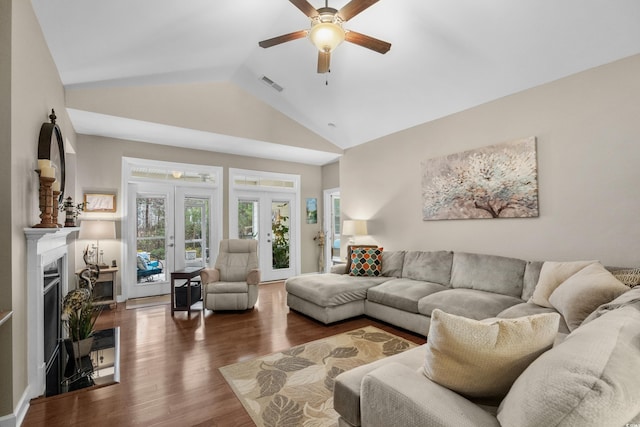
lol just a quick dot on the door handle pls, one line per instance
(170, 245)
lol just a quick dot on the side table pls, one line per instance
(188, 274)
(104, 291)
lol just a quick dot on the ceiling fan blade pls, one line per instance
(283, 38)
(368, 42)
(324, 59)
(354, 7)
(305, 7)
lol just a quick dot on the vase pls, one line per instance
(321, 259)
(79, 348)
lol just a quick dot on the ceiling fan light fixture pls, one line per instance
(326, 36)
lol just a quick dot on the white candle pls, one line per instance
(55, 186)
(47, 172)
(44, 163)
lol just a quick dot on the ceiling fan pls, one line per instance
(326, 31)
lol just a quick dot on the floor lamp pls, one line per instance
(97, 230)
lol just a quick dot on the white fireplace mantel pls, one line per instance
(44, 246)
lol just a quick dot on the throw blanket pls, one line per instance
(628, 298)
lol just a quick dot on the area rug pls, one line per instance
(295, 387)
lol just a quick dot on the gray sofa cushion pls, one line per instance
(392, 262)
(432, 267)
(529, 308)
(403, 294)
(467, 302)
(531, 276)
(330, 289)
(488, 273)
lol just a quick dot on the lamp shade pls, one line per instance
(326, 36)
(97, 230)
(354, 227)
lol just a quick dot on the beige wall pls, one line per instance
(588, 141)
(35, 89)
(331, 175)
(100, 163)
(6, 384)
(219, 107)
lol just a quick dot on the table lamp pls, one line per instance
(354, 227)
(97, 230)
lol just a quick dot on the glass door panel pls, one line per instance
(196, 232)
(248, 219)
(195, 227)
(151, 238)
(280, 239)
(153, 254)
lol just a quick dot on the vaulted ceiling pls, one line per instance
(446, 56)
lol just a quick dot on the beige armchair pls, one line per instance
(233, 283)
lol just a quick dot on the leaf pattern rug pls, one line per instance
(294, 388)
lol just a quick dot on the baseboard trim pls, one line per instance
(16, 419)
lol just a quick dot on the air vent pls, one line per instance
(266, 80)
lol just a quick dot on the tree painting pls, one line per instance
(499, 181)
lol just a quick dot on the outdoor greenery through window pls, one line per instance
(248, 219)
(151, 226)
(280, 244)
(196, 212)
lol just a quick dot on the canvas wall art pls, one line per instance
(312, 211)
(499, 181)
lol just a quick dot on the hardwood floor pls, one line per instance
(169, 365)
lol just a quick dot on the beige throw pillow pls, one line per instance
(483, 358)
(584, 292)
(552, 275)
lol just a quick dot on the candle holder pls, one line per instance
(54, 214)
(46, 203)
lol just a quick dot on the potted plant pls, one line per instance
(79, 317)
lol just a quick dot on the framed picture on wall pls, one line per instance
(94, 202)
(312, 211)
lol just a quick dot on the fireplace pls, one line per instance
(52, 326)
(47, 281)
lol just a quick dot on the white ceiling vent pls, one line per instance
(266, 80)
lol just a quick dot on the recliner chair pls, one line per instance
(233, 283)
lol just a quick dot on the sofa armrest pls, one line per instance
(395, 394)
(253, 278)
(339, 269)
(208, 275)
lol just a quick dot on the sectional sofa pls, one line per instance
(413, 283)
(587, 378)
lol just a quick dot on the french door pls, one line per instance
(271, 219)
(150, 238)
(331, 227)
(173, 229)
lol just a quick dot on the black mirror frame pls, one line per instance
(44, 147)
